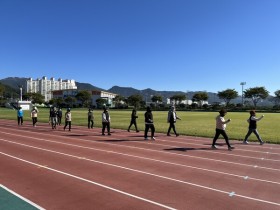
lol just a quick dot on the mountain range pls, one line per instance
(15, 82)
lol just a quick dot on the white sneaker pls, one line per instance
(153, 138)
(214, 147)
(245, 142)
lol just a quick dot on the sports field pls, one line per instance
(192, 124)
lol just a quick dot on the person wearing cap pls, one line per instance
(253, 127)
(171, 119)
(106, 120)
(68, 119)
(34, 116)
(20, 116)
(221, 129)
(90, 118)
(149, 124)
(133, 120)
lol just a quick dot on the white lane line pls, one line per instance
(133, 170)
(22, 198)
(89, 181)
(231, 194)
(144, 158)
(157, 151)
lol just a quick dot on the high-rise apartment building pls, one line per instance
(45, 86)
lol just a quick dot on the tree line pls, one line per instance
(255, 94)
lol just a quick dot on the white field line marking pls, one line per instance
(144, 158)
(216, 152)
(133, 170)
(163, 152)
(187, 142)
(22, 198)
(89, 181)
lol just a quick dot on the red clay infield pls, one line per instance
(82, 169)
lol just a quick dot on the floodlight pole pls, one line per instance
(242, 84)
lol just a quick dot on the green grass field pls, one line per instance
(192, 123)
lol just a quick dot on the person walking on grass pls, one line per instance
(253, 127)
(90, 118)
(106, 120)
(34, 115)
(221, 129)
(133, 120)
(68, 119)
(149, 124)
(20, 116)
(171, 119)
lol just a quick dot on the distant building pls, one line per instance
(95, 94)
(45, 86)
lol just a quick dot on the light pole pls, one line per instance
(242, 84)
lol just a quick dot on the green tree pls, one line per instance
(118, 100)
(178, 98)
(35, 98)
(70, 101)
(2, 90)
(101, 102)
(276, 99)
(200, 97)
(227, 95)
(85, 97)
(135, 100)
(256, 94)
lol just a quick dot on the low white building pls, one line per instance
(95, 94)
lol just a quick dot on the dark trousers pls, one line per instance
(218, 133)
(147, 127)
(90, 123)
(20, 120)
(105, 125)
(171, 125)
(34, 120)
(253, 131)
(59, 120)
(133, 122)
(66, 124)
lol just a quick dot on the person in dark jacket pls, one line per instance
(133, 120)
(59, 116)
(90, 118)
(253, 127)
(106, 120)
(149, 124)
(53, 117)
(171, 119)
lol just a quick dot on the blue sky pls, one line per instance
(184, 45)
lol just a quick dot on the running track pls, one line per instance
(82, 169)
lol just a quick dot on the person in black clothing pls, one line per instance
(90, 118)
(171, 119)
(53, 117)
(59, 116)
(106, 120)
(149, 124)
(133, 120)
(253, 127)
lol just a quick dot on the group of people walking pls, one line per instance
(55, 117)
